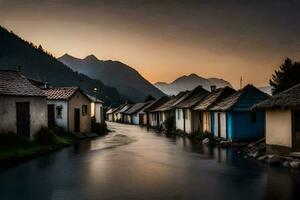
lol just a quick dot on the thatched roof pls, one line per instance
(136, 108)
(214, 97)
(172, 102)
(193, 98)
(242, 100)
(157, 103)
(288, 99)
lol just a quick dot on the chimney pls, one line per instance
(213, 88)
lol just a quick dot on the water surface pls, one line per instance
(136, 163)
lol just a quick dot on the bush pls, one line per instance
(98, 128)
(169, 126)
(45, 136)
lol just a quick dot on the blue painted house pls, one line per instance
(233, 119)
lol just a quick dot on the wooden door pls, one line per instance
(51, 115)
(23, 119)
(141, 119)
(76, 120)
(296, 131)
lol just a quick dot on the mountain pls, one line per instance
(266, 89)
(114, 73)
(190, 82)
(36, 63)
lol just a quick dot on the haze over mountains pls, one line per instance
(190, 82)
(114, 73)
(36, 64)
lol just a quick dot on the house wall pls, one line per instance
(38, 113)
(206, 117)
(153, 119)
(180, 121)
(212, 123)
(223, 130)
(76, 101)
(279, 128)
(110, 117)
(241, 126)
(63, 120)
(135, 119)
(97, 112)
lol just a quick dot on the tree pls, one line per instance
(286, 77)
(149, 98)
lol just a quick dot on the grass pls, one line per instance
(15, 149)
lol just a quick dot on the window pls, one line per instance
(84, 110)
(253, 117)
(59, 111)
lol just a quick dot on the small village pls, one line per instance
(147, 99)
(266, 126)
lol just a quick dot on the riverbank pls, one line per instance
(14, 149)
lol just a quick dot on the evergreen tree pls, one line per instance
(286, 77)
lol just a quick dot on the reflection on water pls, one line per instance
(137, 163)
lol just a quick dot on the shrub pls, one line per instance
(169, 126)
(45, 136)
(98, 128)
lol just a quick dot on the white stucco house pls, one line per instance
(135, 115)
(155, 119)
(97, 109)
(187, 119)
(69, 108)
(23, 106)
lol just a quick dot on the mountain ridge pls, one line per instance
(189, 82)
(125, 79)
(38, 64)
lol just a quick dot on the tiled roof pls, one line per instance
(214, 97)
(193, 98)
(60, 93)
(172, 102)
(14, 83)
(242, 100)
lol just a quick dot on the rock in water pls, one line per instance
(286, 164)
(262, 158)
(295, 164)
(274, 160)
(205, 141)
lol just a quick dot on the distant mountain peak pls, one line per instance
(193, 75)
(91, 58)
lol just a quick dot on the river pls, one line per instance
(136, 163)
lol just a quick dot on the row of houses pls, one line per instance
(245, 114)
(26, 106)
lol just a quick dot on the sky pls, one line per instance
(165, 39)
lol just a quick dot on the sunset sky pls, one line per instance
(165, 39)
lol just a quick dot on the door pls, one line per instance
(23, 119)
(141, 119)
(296, 130)
(51, 115)
(76, 120)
